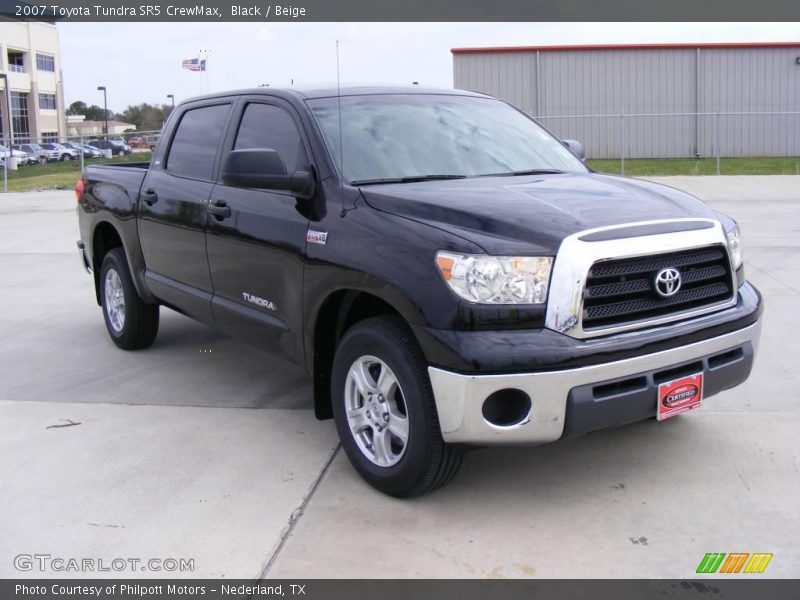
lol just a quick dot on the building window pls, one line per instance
(49, 137)
(19, 116)
(47, 101)
(45, 62)
(16, 61)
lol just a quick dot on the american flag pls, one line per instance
(194, 64)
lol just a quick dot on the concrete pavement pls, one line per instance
(203, 448)
(213, 485)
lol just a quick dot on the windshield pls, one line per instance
(396, 136)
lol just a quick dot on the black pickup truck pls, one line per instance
(450, 274)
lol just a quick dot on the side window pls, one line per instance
(194, 146)
(267, 126)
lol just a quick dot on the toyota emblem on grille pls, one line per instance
(668, 282)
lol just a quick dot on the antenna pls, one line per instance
(341, 141)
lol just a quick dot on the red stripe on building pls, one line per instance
(580, 48)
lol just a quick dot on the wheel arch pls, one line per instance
(105, 237)
(338, 312)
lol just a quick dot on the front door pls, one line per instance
(256, 238)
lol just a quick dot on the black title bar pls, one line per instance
(348, 589)
(404, 10)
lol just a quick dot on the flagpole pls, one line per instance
(204, 54)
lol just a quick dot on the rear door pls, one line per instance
(256, 242)
(172, 209)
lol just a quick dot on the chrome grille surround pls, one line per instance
(576, 256)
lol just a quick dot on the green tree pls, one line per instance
(92, 113)
(146, 117)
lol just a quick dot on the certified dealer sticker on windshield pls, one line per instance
(679, 395)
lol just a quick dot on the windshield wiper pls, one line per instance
(526, 172)
(410, 179)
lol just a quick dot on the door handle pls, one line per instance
(150, 197)
(220, 210)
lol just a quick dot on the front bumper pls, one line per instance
(597, 396)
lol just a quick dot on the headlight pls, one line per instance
(735, 246)
(496, 279)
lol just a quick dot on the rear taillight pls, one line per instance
(79, 189)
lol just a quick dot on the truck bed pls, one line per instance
(117, 184)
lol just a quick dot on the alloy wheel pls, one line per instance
(115, 300)
(376, 411)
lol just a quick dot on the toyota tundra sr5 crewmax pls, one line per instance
(449, 273)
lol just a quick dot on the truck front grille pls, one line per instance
(623, 291)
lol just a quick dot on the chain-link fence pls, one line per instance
(27, 155)
(710, 135)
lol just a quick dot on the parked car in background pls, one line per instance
(63, 152)
(150, 141)
(23, 158)
(75, 147)
(88, 151)
(36, 151)
(117, 148)
(136, 142)
(123, 143)
(92, 152)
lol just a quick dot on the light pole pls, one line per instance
(10, 134)
(105, 109)
(171, 97)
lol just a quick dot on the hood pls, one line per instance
(532, 214)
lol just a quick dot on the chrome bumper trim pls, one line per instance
(576, 256)
(459, 397)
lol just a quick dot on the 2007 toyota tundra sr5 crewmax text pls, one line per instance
(449, 273)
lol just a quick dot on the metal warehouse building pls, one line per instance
(650, 101)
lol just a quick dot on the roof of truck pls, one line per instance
(332, 91)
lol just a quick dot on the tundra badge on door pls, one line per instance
(268, 304)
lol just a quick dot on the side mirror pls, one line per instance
(263, 168)
(575, 147)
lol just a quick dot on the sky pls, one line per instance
(141, 62)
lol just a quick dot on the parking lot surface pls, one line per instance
(203, 448)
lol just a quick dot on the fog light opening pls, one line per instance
(506, 407)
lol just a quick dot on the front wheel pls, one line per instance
(65, 157)
(131, 322)
(385, 413)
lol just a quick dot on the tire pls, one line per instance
(136, 325)
(65, 157)
(382, 347)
